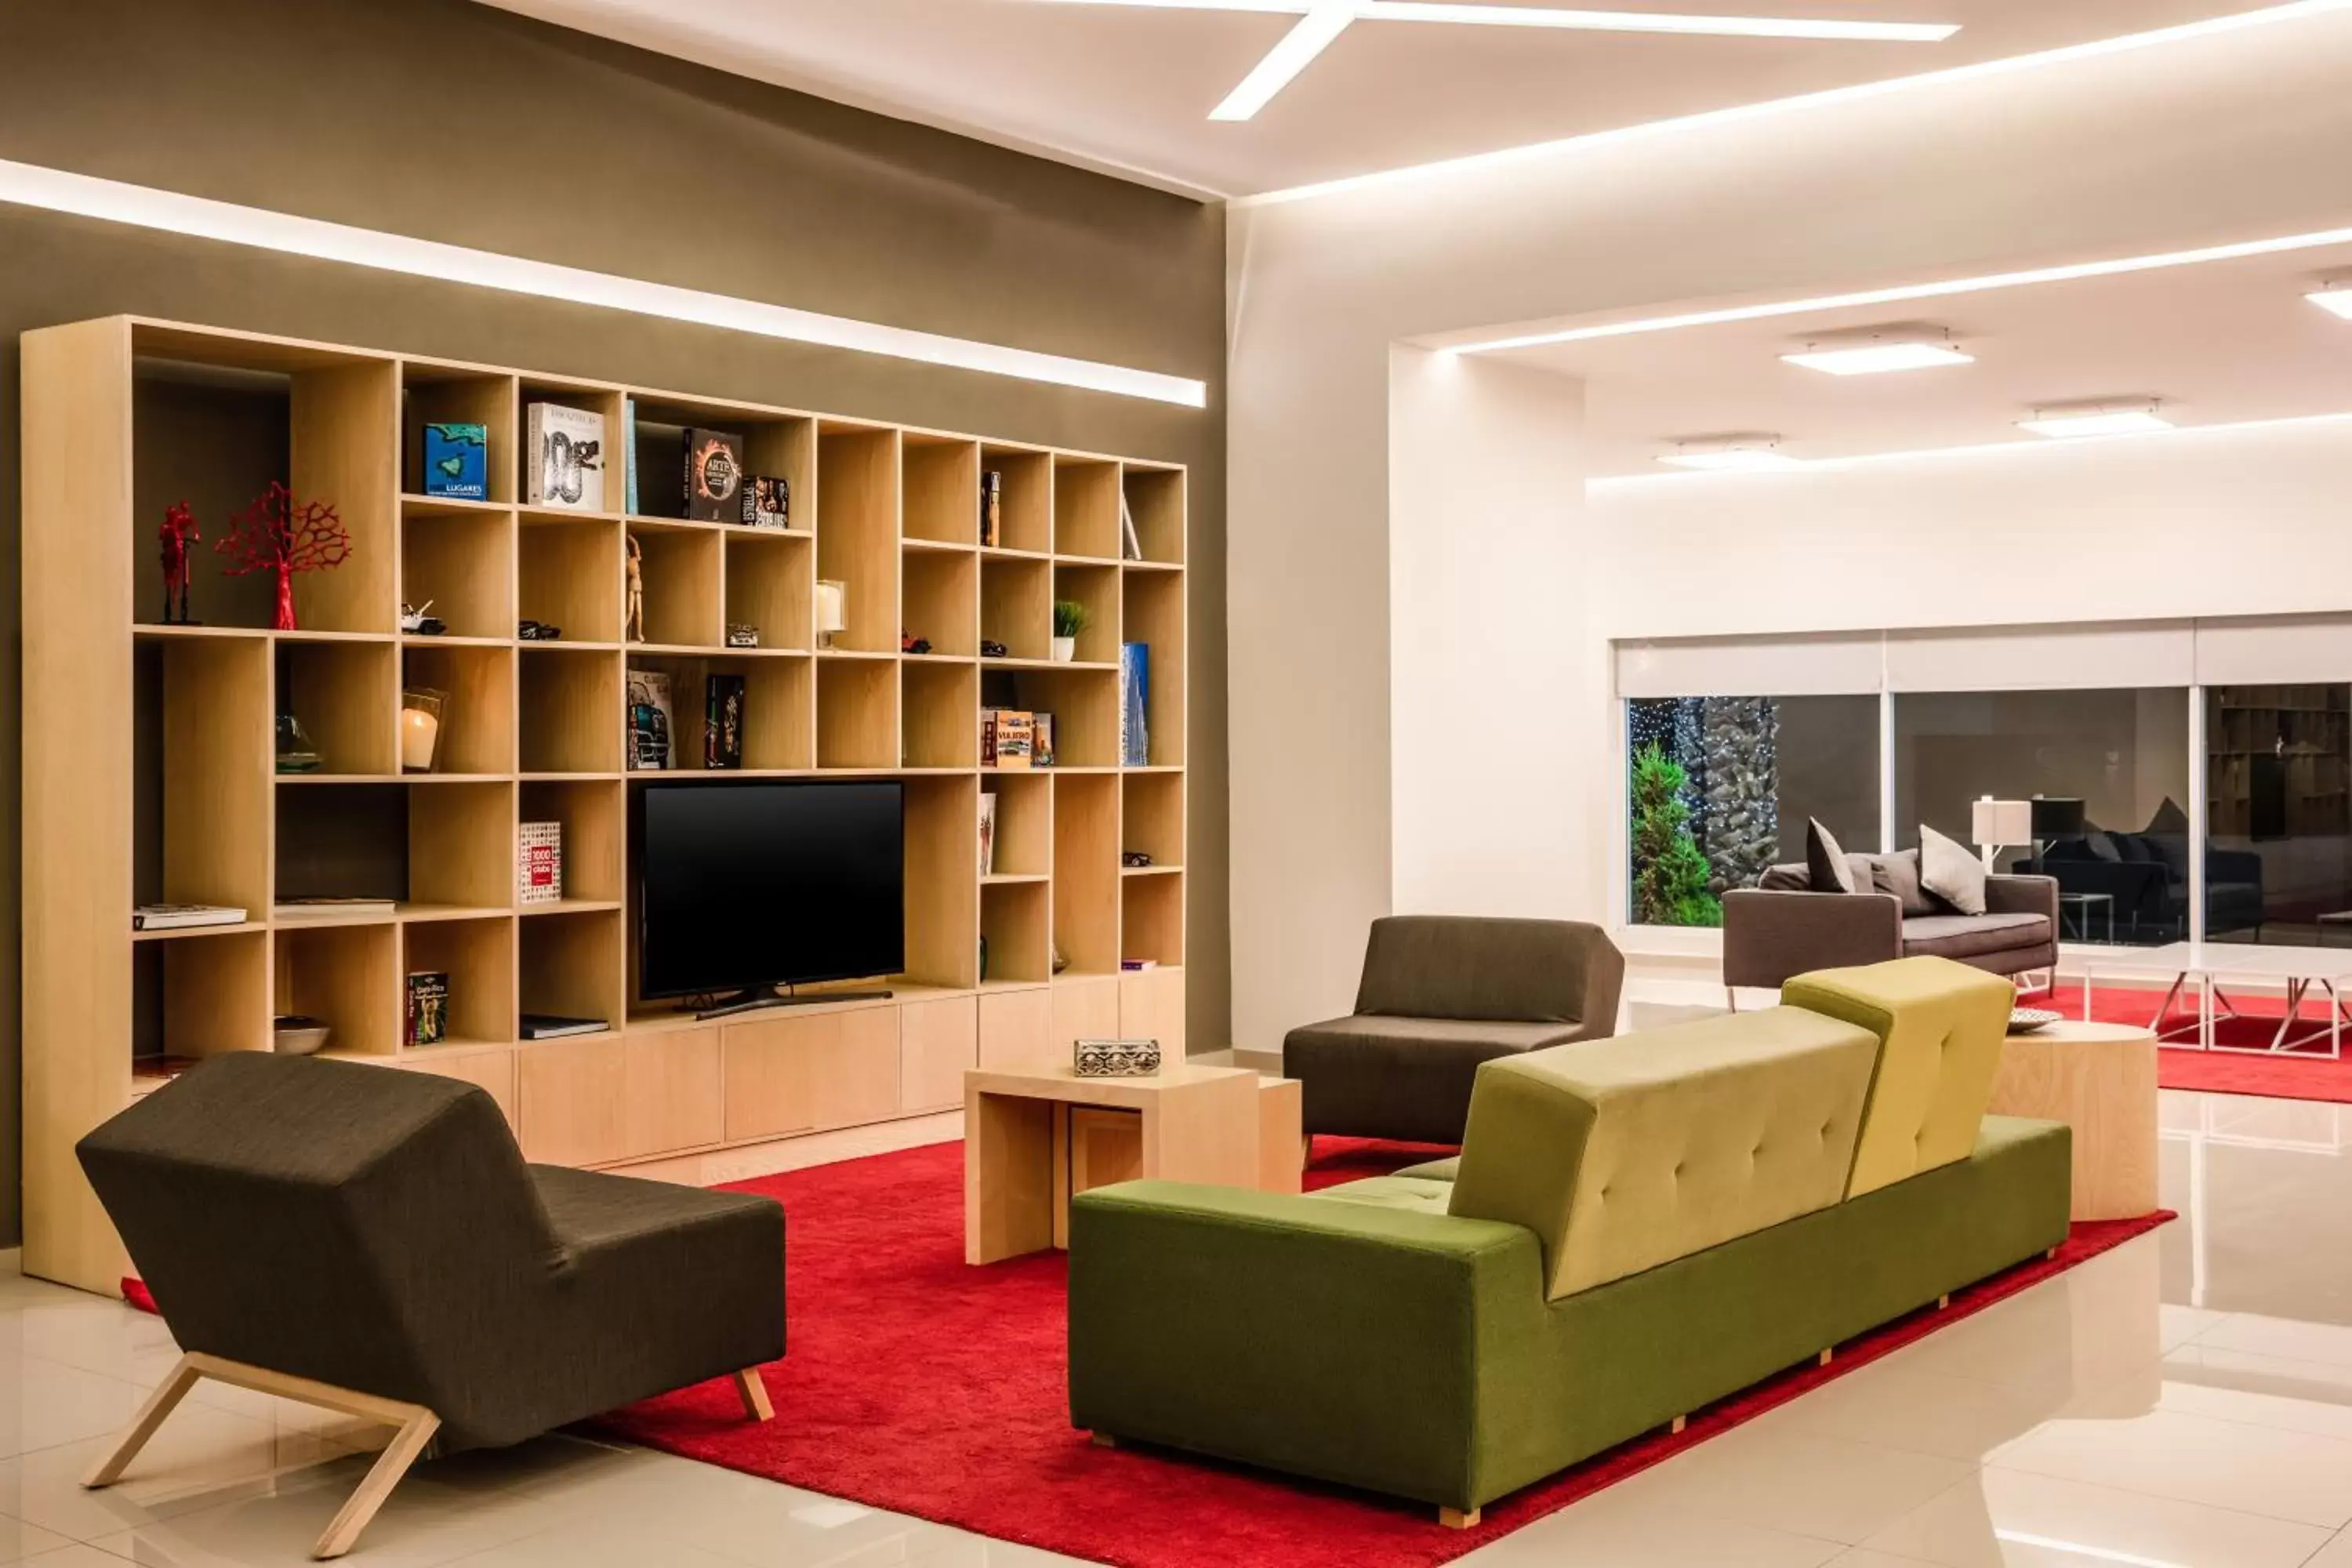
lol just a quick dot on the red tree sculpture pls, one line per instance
(273, 534)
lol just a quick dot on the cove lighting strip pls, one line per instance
(1981, 449)
(2112, 268)
(2295, 11)
(141, 207)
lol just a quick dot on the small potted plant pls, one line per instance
(1069, 620)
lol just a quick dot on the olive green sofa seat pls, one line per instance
(1597, 1262)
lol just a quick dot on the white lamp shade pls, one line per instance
(2002, 822)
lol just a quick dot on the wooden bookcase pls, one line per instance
(149, 756)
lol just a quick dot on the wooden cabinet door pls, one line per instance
(1016, 1030)
(798, 1073)
(937, 1042)
(671, 1098)
(571, 1095)
(1151, 1007)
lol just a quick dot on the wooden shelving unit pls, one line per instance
(149, 749)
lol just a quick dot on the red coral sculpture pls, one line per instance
(276, 534)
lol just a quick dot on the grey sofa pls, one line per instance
(1440, 994)
(1782, 929)
(371, 1240)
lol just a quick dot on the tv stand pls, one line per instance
(757, 998)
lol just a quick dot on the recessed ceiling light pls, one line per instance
(2336, 299)
(1878, 350)
(1731, 455)
(2072, 423)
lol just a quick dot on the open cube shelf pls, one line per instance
(160, 758)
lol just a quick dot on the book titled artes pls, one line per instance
(714, 476)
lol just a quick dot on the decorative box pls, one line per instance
(1116, 1058)
(742, 635)
(539, 863)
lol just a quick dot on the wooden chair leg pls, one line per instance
(160, 1405)
(755, 1395)
(390, 1466)
(1458, 1519)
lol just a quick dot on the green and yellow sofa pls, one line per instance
(1635, 1227)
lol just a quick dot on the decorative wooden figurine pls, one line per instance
(275, 534)
(179, 531)
(634, 611)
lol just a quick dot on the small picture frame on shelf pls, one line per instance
(649, 720)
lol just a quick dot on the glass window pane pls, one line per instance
(2280, 822)
(1722, 786)
(2109, 771)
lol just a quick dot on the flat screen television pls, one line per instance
(747, 885)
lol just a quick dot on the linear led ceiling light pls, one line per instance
(141, 207)
(1731, 455)
(2334, 298)
(1321, 21)
(2072, 421)
(1877, 350)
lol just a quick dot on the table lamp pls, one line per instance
(1997, 824)
(832, 610)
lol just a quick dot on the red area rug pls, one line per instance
(2305, 1073)
(918, 1384)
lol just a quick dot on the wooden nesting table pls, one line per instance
(2099, 1080)
(1032, 1140)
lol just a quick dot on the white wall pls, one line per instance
(1487, 617)
(2222, 139)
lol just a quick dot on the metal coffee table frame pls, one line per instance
(2298, 969)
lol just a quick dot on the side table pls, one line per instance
(2100, 1080)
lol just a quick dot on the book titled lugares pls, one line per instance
(457, 461)
(539, 863)
(1134, 704)
(714, 476)
(566, 451)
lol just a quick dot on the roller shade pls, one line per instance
(2274, 650)
(2043, 658)
(1827, 665)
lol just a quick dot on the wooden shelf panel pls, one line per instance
(593, 816)
(346, 696)
(1012, 922)
(1152, 918)
(1024, 505)
(858, 714)
(1024, 821)
(771, 587)
(568, 575)
(942, 847)
(682, 571)
(202, 771)
(347, 977)
(572, 966)
(1086, 508)
(477, 729)
(202, 995)
(569, 708)
(460, 568)
(1016, 604)
(940, 482)
(776, 443)
(1155, 499)
(1151, 816)
(443, 395)
(1096, 590)
(779, 708)
(936, 703)
(1084, 702)
(858, 531)
(478, 957)
(942, 602)
(1086, 872)
(1155, 617)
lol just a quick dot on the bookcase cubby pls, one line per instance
(153, 749)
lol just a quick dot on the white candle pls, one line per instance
(418, 731)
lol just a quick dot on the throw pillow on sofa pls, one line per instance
(1825, 862)
(1899, 874)
(1950, 871)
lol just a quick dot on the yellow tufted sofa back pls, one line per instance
(1942, 1024)
(1624, 1153)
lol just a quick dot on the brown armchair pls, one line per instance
(1783, 929)
(1440, 994)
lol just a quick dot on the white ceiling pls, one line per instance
(1130, 89)
(2222, 343)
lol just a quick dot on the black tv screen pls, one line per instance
(755, 883)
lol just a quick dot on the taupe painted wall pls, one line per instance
(456, 122)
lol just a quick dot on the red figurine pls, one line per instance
(179, 531)
(273, 534)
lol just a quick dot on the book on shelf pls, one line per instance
(722, 722)
(1134, 703)
(1041, 740)
(566, 451)
(456, 461)
(327, 906)
(649, 720)
(185, 917)
(987, 833)
(1005, 738)
(714, 476)
(768, 501)
(555, 1027)
(428, 1008)
(1130, 547)
(1137, 965)
(539, 863)
(629, 454)
(992, 508)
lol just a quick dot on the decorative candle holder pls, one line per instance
(422, 710)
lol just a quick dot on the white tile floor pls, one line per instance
(2184, 1402)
